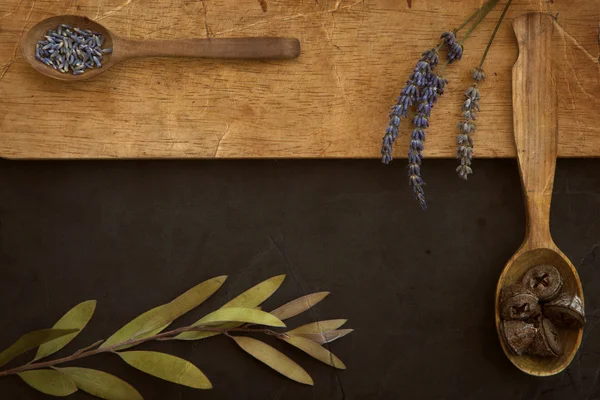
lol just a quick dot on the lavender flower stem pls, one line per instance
(476, 13)
(443, 67)
(484, 11)
(487, 48)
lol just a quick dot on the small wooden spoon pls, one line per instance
(236, 48)
(535, 129)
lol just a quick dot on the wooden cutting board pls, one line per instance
(331, 102)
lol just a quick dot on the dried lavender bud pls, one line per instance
(406, 99)
(544, 281)
(455, 52)
(478, 74)
(464, 142)
(566, 311)
(546, 341)
(517, 303)
(432, 57)
(428, 95)
(66, 48)
(449, 38)
(518, 335)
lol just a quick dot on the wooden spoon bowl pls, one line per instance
(123, 49)
(535, 129)
(571, 338)
(38, 31)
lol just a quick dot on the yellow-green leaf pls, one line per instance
(274, 359)
(167, 367)
(252, 297)
(327, 336)
(154, 321)
(48, 381)
(30, 341)
(76, 318)
(256, 295)
(319, 326)
(101, 384)
(197, 335)
(240, 314)
(298, 306)
(131, 328)
(315, 350)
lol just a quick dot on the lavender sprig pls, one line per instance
(455, 49)
(428, 95)
(428, 88)
(406, 99)
(422, 90)
(464, 141)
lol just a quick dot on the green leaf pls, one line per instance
(154, 321)
(319, 326)
(274, 359)
(167, 367)
(299, 305)
(256, 295)
(30, 341)
(197, 335)
(325, 337)
(315, 350)
(252, 297)
(240, 314)
(101, 384)
(48, 381)
(76, 318)
(131, 328)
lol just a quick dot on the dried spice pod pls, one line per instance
(544, 281)
(566, 311)
(546, 341)
(517, 303)
(518, 335)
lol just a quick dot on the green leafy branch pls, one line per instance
(240, 315)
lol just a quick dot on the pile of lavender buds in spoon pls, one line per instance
(74, 49)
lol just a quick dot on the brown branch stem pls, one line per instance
(86, 352)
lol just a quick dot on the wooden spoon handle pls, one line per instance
(238, 48)
(535, 122)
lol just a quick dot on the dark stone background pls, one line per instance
(417, 287)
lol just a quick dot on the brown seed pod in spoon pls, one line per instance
(535, 130)
(544, 281)
(547, 342)
(518, 303)
(566, 311)
(123, 49)
(518, 335)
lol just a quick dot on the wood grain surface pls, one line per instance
(331, 102)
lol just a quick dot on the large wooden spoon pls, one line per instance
(123, 49)
(535, 129)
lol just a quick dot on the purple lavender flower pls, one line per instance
(455, 52)
(449, 38)
(407, 98)
(422, 89)
(428, 95)
(464, 141)
(478, 74)
(455, 49)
